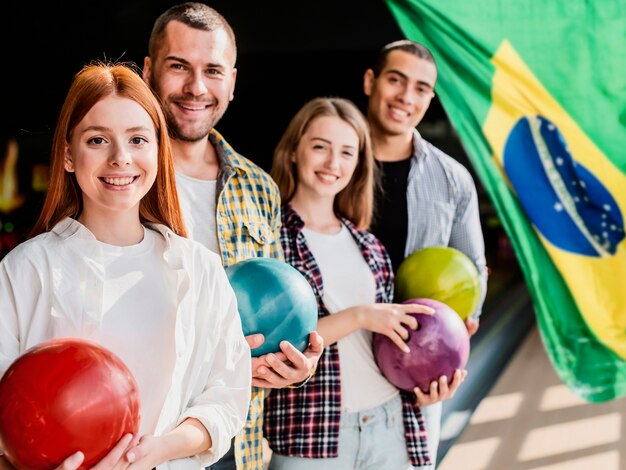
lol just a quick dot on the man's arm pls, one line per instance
(288, 367)
(467, 236)
(275, 223)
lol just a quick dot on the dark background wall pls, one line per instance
(289, 52)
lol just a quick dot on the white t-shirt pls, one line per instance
(348, 281)
(137, 281)
(198, 201)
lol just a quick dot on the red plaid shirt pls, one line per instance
(304, 422)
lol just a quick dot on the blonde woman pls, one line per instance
(348, 415)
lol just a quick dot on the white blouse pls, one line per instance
(53, 286)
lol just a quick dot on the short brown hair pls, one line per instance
(195, 15)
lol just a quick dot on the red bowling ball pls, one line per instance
(438, 347)
(62, 396)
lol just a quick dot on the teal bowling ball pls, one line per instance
(273, 299)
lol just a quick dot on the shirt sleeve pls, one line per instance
(22, 297)
(222, 405)
(9, 343)
(467, 236)
(276, 224)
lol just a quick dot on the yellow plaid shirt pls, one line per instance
(248, 226)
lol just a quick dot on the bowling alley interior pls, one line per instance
(512, 412)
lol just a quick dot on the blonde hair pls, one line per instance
(90, 85)
(356, 201)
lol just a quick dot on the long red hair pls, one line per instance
(90, 85)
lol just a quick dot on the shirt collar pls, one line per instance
(71, 228)
(420, 150)
(68, 228)
(292, 219)
(230, 160)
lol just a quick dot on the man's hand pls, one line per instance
(287, 367)
(255, 341)
(471, 325)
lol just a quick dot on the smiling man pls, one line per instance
(427, 198)
(229, 204)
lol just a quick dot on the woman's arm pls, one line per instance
(188, 438)
(390, 320)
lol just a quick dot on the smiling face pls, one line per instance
(194, 74)
(401, 94)
(113, 154)
(326, 157)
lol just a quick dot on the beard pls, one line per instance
(176, 129)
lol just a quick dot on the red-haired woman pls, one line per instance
(108, 261)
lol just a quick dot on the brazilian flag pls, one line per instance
(536, 90)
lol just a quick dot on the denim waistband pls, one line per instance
(388, 411)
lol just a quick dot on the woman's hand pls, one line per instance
(146, 454)
(5, 464)
(440, 390)
(116, 459)
(392, 320)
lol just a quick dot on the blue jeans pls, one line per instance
(432, 420)
(227, 462)
(368, 440)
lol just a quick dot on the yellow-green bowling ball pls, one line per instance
(440, 273)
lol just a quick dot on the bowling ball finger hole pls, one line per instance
(409, 332)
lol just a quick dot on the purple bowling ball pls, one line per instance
(439, 346)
